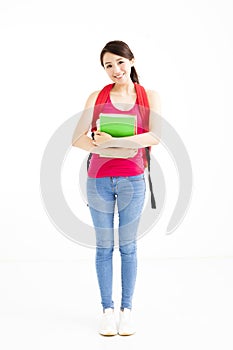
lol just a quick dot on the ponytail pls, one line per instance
(134, 75)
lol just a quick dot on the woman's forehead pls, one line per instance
(110, 57)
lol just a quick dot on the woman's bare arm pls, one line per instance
(80, 138)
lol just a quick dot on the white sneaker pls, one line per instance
(125, 325)
(108, 323)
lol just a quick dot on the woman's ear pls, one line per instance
(132, 62)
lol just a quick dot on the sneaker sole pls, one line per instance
(108, 334)
(124, 334)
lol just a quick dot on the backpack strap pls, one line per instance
(143, 106)
(100, 101)
(145, 113)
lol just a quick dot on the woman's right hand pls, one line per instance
(101, 137)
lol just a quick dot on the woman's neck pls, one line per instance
(124, 89)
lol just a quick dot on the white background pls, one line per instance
(49, 65)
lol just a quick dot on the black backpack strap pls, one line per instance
(88, 160)
(153, 203)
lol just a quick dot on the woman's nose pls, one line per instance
(116, 69)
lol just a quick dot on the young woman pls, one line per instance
(116, 177)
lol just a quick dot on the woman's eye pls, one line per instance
(109, 66)
(121, 62)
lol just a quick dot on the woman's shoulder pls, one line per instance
(154, 100)
(93, 96)
(152, 93)
(92, 99)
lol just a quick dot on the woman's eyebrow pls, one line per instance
(119, 59)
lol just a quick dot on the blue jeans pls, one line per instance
(103, 194)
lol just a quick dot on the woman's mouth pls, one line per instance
(119, 76)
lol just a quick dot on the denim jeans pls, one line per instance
(103, 194)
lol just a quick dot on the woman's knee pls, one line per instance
(104, 254)
(128, 248)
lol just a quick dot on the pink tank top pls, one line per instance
(103, 166)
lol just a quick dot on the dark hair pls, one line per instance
(120, 48)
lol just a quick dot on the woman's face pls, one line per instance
(118, 68)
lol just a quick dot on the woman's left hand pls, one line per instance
(101, 137)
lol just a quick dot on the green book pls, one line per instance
(118, 125)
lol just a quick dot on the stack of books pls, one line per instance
(118, 125)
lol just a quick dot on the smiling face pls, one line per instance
(118, 68)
